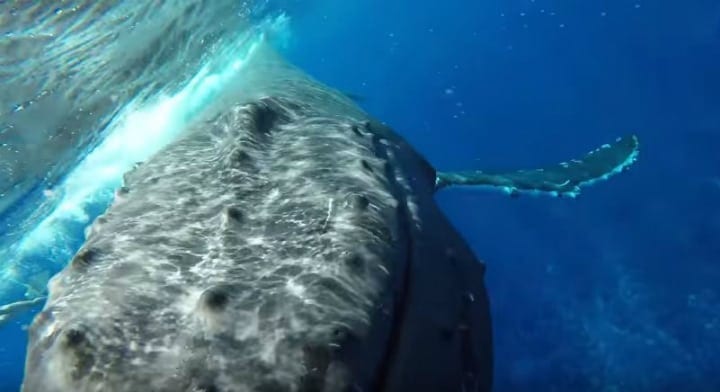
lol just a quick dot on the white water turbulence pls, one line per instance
(131, 88)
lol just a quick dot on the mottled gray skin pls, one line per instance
(290, 243)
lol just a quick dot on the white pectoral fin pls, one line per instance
(563, 179)
(15, 308)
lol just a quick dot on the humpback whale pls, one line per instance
(288, 241)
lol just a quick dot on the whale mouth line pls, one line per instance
(397, 327)
(403, 296)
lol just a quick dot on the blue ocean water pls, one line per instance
(618, 289)
(615, 290)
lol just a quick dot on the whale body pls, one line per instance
(288, 242)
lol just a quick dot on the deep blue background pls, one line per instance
(617, 290)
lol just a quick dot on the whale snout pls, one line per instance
(281, 246)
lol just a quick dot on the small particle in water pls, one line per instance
(522, 14)
(58, 11)
(562, 25)
(637, 5)
(449, 91)
(18, 108)
(603, 13)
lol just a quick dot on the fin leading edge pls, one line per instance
(563, 179)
